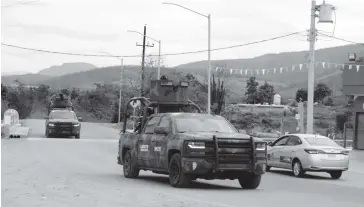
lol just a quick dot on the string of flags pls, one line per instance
(254, 71)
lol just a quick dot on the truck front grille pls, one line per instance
(229, 151)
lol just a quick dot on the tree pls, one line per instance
(321, 91)
(4, 91)
(301, 95)
(251, 91)
(74, 93)
(266, 93)
(217, 95)
(341, 119)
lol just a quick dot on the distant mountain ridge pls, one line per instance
(66, 68)
(286, 83)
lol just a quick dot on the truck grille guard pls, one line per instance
(217, 166)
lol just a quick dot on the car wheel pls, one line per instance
(267, 169)
(176, 176)
(250, 181)
(336, 174)
(297, 169)
(129, 168)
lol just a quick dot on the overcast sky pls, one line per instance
(89, 26)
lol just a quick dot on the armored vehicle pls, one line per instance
(60, 101)
(188, 146)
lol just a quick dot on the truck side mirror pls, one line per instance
(79, 118)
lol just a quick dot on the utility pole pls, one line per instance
(311, 70)
(121, 86)
(325, 16)
(143, 61)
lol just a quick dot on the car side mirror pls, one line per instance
(79, 118)
(161, 130)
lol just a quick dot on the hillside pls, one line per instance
(29, 79)
(45, 74)
(285, 83)
(66, 68)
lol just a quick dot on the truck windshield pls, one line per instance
(62, 115)
(203, 124)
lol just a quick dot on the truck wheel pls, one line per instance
(129, 168)
(77, 136)
(250, 181)
(336, 174)
(177, 178)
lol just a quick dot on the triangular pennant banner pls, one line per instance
(350, 67)
(231, 71)
(323, 64)
(274, 70)
(281, 69)
(241, 72)
(263, 71)
(357, 68)
(300, 66)
(217, 68)
(246, 72)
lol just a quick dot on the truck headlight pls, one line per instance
(196, 145)
(78, 124)
(51, 124)
(260, 146)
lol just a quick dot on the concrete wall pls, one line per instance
(353, 80)
(358, 111)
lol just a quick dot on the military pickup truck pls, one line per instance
(190, 146)
(62, 122)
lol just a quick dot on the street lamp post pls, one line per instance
(159, 51)
(209, 53)
(121, 82)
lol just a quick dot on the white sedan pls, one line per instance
(307, 152)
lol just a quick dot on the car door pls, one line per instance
(275, 151)
(146, 154)
(160, 141)
(288, 152)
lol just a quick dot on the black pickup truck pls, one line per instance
(190, 146)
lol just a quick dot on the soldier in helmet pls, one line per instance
(150, 111)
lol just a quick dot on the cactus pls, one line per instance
(217, 95)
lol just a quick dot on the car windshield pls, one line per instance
(321, 142)
(203, 124)
(62, 115)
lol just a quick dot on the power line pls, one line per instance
(349, 41)
(167, 54)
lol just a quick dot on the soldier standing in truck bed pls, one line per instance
(150, 111)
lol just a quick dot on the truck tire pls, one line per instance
(177, 178)
(77, 136)
(250, 181)
(130, 169)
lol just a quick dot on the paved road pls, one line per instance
(84, 173)
(88, 130)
